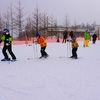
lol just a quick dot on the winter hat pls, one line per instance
(6, 30)
(37, 34)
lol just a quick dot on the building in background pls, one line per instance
(97, 30)
(58, 31)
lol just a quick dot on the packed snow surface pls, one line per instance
(56, 78)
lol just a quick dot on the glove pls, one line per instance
(6, 39)
(7, 44)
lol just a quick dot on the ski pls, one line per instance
(38, 58)
(8, 60)
(67, 57)
(13, 60)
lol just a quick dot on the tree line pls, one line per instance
(21, 26)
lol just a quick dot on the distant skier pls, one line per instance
(74, 45)
(58, 39)
(43, 45)
(86, 38)
(65, 33)
(7, 45)
(94, 37)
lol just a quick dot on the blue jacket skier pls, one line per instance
(7, 39)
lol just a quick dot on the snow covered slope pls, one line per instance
(55, 78)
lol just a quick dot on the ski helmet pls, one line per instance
(37, 34)
(6, 30)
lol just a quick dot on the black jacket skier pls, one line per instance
(94, 36)
(65, 36)
(7, 45)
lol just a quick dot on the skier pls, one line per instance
(94, 36)
(86, 38)
(65, 33)
(43, 45)
(58, 39)
(74, 45)
(7, 45)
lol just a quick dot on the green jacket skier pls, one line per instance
(7, 39)
(86, 38)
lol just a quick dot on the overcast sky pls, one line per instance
(78, 11)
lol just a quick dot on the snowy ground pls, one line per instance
(55, 78)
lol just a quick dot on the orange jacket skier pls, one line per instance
(43, 44)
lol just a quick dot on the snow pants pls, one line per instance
(86, 42)
(94, 40)
(74, 52)
(64, 40)
(43, 53)
(9, 48)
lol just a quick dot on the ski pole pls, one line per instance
(67, 49)
(70, 49)
(0, 48)
(36, 49)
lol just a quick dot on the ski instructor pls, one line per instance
(7, 45)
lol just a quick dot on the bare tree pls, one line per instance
(93, 25)
(66, 22)
(44, 23)
(52, 24)
(36, 19)
(19, 22)
(55, 27)
(11, 20)
(82, 25)
(29, 31)
(7, 19)
(1, 23)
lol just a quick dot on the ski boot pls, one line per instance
(46, 56)
(8, 59)
(40, 57)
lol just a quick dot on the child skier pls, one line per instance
(7, 45)
(43, 45)
(86, 38)
(74, 45)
